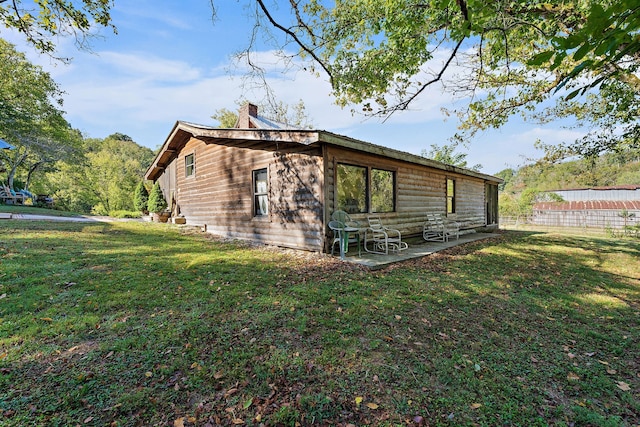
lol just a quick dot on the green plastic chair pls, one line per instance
(342, 236)
(344, 218)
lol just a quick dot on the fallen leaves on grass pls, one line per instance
(573, 377)
(623, 386)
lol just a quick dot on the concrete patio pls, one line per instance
(417, 248)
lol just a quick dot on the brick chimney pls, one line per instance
(247, 110)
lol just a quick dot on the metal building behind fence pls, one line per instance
(597, 207)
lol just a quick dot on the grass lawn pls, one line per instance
(130, 323)
(32, 210)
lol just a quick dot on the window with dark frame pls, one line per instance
(189, 165)
(383, 184)
(451, 196)
(361, 189)
(260, 193)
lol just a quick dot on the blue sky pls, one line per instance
(170, 62)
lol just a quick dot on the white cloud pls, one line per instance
(548, 135)
(141, 65)
(130, 14)
(513, 146)
(281, 71)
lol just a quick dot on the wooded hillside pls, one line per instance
(522, 186)
(610, 169)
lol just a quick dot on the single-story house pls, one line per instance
(263, 182)
(597, 207)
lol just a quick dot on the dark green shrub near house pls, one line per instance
(141, 198)
(157, 202)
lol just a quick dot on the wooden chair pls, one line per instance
(438, 229)
(382, 239)
(10, 198)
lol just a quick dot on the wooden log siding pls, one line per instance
(301, 169)
(470, 202)
(220, 194)
(419, 189)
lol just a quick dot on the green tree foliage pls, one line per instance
(226, 118)
(606, 170)
(120, 137)
(610, 115)
(157, 202)
(517, 205)
(141, 198)
(31, 118)
(43, 21)
(522, 187)
(606, 43)
(103, 180)
(511, 57)
(507, 176)
(278, 111)
(446, 154)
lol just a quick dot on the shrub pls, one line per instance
(141, 197)
(157, 203)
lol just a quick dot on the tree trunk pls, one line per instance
(14, 168)
(32, 169)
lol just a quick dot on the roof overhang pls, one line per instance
(182, 132)
(346, 142)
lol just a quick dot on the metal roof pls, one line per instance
(588, 205)
(601, 188)
(261, 122)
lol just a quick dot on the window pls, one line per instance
(361, 189)
(382, 190)
(451, 196)
(189, 164)
(260, 199)
(352, 188)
